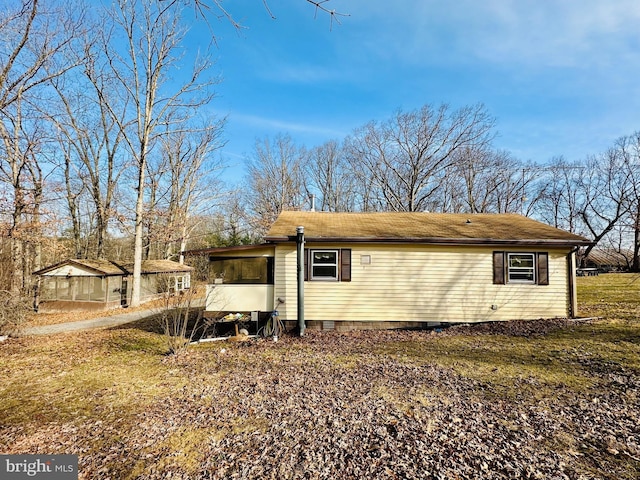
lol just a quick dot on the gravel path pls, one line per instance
(100, 322)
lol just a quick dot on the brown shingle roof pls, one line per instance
(419, 227)
(160, 266)
(107, 267)
(609, 257)
(103, 267)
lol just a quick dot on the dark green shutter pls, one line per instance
(345, 265)
(498, 268)
(543, 268)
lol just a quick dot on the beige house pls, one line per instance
(385, 270)
(79, 285)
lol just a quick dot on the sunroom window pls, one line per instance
(521, 267)
(242, 270)
(324, 265)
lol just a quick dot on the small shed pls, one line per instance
(81, 285)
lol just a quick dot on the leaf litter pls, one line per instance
(337, 405)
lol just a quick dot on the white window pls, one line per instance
(521, 268)
(324, 265)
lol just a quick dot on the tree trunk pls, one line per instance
(15, 232)
(101, 228)
(635, 264)
(137, 246)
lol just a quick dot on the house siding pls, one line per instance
(421, 283)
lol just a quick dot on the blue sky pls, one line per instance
(561, 77)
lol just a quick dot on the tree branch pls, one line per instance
(333, 15)
(201, 6)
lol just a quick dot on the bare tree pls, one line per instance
(561, 198)
(407, 157)
(629, 152)
(184, 182)
(229, 225)
(157, 102)
(32, 47)
(490, 180)
(450, 197)
(89, 140)
(329, 174)
(520, 192)
(473, 170)
(275, 179)
(13, 312)
(34, 231)
(606, 185)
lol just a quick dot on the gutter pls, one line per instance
(573, 291)
(438, 241)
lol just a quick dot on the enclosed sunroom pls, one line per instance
(240, 279)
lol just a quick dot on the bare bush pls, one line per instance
(180, 317)
(13, 312)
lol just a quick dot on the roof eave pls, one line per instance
(234, 248)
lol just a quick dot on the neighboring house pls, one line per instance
(385, 270)
(73, 285)
(608, 260)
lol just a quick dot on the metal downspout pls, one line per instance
(573, 300)
(300, 271)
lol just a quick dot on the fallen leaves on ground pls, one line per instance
(330, 406)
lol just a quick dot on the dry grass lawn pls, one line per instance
(543, 399)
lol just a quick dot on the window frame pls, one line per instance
(541, 266)
(336, 265)
(229, 269)
(533, 269)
